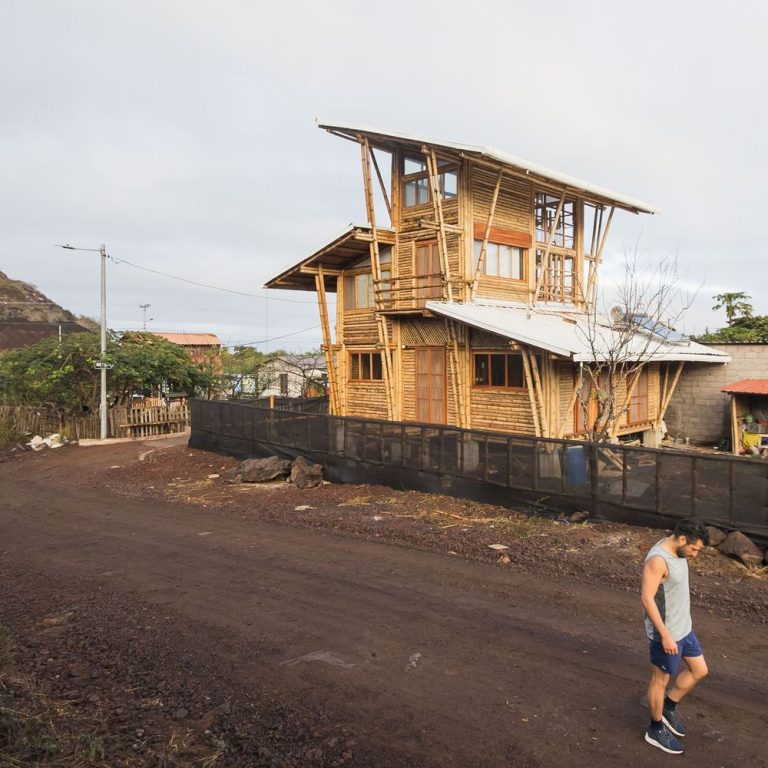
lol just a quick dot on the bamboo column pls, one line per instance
(531, 393)
(545, 256)
(592, 286)
(333, 383)
(376, 271)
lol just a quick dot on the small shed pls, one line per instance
(749, 416)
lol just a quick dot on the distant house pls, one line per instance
(202, 347)
(295, 376)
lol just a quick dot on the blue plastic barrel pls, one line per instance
(575, 465)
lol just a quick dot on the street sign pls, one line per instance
(101, 364)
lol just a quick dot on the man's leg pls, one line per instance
(656, 689)
(694, 672)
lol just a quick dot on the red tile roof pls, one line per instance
(748, 387)
(191, 339)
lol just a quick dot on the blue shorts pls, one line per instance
(687, 647)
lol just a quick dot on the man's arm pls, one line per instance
(653, 573)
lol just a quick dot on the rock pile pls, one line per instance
(301, 472)
(738, 546)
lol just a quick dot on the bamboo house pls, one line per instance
(467, 297)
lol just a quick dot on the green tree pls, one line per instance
(752, 329)
(61, 375)
(736, 305)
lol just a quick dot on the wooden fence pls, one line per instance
(122, 421)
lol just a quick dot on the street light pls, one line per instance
(101, 364)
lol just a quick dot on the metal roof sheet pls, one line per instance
(567, 331)
(350, 131)
(747, 387)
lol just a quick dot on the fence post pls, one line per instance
(594, 477)
(732, 492)
(535, 447)
(693, 487)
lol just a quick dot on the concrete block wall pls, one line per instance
(699, 410)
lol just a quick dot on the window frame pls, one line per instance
(444, 167)
(352, 277)
(523, 253)
(523, 386)
(361, 355)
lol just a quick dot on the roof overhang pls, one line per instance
(571, 333)
(340, 254)
(390, 140)
(748, 387)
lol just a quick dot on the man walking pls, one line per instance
(666, 601)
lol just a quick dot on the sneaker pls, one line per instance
(671, 719)
(664, 740)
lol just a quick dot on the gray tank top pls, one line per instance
(673, 598)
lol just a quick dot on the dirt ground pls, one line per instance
(154, 615)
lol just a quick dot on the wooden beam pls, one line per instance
(327, 342)
(540, 391)
(734, 426)
(437, 204)
(668, 395)
(427, 224)
(598, 257)
(381, 184)
(486, 235)
(531, 393)
(307, 270)
(381, 321)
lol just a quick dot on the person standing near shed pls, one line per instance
(665, 595)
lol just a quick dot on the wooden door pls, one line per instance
(430, 385)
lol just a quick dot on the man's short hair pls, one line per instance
(693, 530)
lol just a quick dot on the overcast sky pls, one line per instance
(182, 135)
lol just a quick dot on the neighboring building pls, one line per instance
(700, 411)
(472, 309)
(295, 376)
(201, 347)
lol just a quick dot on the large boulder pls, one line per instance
(259, 470)
(716, 536)
(737, 545)
(304, 474)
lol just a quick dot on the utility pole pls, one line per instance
(144, 308)
(101, 365)
(103, 404)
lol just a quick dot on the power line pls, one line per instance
(206, 285)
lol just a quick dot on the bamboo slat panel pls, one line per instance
(501, 411)
(367, 399)
(424, 333)
(513, 208)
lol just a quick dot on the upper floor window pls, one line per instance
(429, 273)
(365, 366)
(501, 260)
(416, 187)
(499, 369)
(359, 286)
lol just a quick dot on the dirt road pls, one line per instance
(200, 635)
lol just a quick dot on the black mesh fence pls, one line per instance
(616, 481)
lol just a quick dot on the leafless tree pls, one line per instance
(621, 340)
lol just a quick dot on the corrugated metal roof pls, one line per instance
(191, 339)
(568, 332)
(352, 131)
(748, 387)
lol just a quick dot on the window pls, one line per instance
(499, 369)
(359, 289)
(416, 189)
(638, 404)
(501, 260)
(365, 366)
(284, 384)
